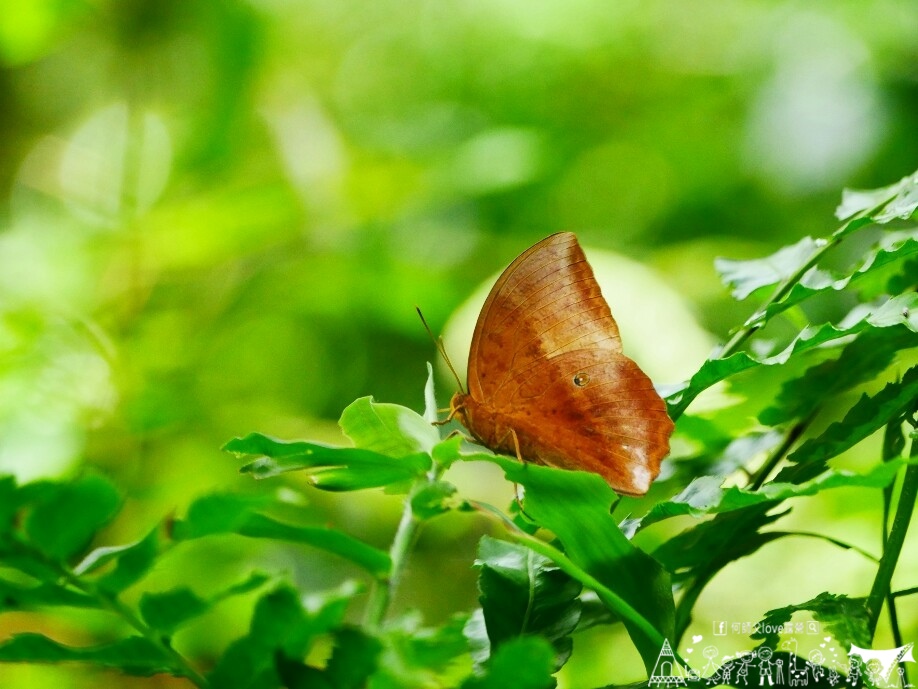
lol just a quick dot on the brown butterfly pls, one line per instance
(547, 379)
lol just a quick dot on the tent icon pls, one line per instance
(666, 671)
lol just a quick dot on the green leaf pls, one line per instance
(15, 596)
(859, 362)
(433, 499)
(574, 505)
(168, 610)
(235, 513)
(897, 311)
(67, 516)
(891, 250)
(389, 429)
(417, 656)
(132, 562)
(705, 495)
(843, 617)
(866, 417)
(281, 627)
(705, 548)
(330, 468)
(353, 660)
(897, 201)
(523, 663)
(133, 655)
(745, 277)
(524, 593)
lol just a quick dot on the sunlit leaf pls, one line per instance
(899, 310)
(747, 276)
(389, 429)
(897, 201)
(433, 499)
(891, 250)
(705, 495)
(132, 562)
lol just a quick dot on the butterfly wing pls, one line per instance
(546, 363)
(592, 410)
(546, 303)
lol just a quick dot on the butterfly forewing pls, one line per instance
(545, 303)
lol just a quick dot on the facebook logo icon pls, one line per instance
(720, 628)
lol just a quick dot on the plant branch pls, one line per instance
(117, 607)
(893, 546)
(756, 320)
(793, 435)
(405, 537)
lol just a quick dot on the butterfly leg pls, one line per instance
(450, 417)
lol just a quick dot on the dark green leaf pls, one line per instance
(375, 561)
(523, 663)
(64, 520)
(15, 596)
(524, 593)
(166, 611)
(843, 617)
(706, 547)
(747, 276)
(353, 660)
(281, 628)
(133, 655)
(865, 418)
(574, 505)
(860, 361)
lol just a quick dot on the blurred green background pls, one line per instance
(218, 217)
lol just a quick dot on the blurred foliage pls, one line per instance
(219, 216)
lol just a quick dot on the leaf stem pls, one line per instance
(116, 606)
(405, 537)
(111, 603)
(793, 435)
(893, 546)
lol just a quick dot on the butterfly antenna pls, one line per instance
(438, 343)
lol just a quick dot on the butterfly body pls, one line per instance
(547, 378)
